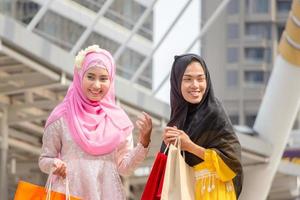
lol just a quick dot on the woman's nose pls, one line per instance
(195, 83)
(97, 84)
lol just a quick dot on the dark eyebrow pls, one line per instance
(197, 75)
(92, 74)
(104, 76)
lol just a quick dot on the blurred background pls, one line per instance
(238, 39)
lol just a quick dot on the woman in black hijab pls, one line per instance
(206, 133)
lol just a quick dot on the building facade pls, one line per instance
(61, 28)
(242, 58)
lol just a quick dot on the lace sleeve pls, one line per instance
(51, 146)
(129, 157)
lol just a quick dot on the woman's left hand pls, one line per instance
(144, 124)
(185, 140)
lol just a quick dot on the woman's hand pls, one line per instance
(60, 168)
(171, 133)
(144, 124)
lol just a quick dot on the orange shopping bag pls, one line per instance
(28, 191)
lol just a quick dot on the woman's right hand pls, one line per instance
(59, 168)
(169, 137)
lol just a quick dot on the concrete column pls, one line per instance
(4, 151)
(278, 110)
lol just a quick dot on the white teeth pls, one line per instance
(95, 93)
(195, 93)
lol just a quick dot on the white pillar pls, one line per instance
(4, 149)
(278, 110)
(274, 123)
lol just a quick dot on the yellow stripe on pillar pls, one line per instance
(288, 51)
(290, 39)
(293, 30)
(296, 8)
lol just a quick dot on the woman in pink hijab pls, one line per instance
(88, 138)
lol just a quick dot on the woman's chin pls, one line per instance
(95, 99)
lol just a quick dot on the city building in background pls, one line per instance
(63, 29)
(242, 58)
(241, 61)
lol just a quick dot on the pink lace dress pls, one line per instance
(90, 177)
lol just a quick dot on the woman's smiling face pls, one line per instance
(95, 83)
(193, 84)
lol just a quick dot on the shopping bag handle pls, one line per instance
(166, 149)
(177, 144)
(49, 186)
(168, 145)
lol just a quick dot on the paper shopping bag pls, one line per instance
(179, 180)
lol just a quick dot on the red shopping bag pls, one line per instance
(153, 188)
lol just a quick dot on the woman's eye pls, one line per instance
(103, 79)
(90, 77)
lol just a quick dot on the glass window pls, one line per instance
(59, 30)
(129, 61)
(233, 7)
(94, 5)
(254, 54)
(258, 30)
(254, 77)
(232, 78)
(257, 77)
(21, 10)
(105, 42)
(250, 119)
(232, 31)
(257, 6)
(284, 6)
(280, 30)
(268, 55)
(124, 12)
(29, 9)
(234, 119)
(232, 54)
(262, 6)
(258, 54)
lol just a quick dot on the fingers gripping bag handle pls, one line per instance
(49, 186)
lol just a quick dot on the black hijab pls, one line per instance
(206, 123)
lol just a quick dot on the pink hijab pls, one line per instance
(97, 127)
